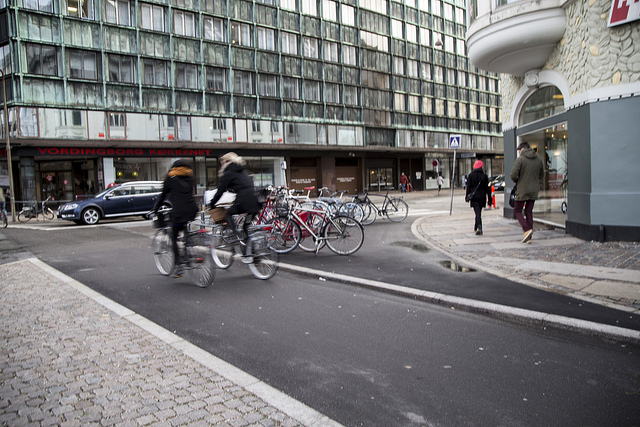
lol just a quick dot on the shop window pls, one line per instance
(63, 124)
(544, 102)
(42, 59)
(81, 9)
(118, 12)
(151, 17)
(214, 29)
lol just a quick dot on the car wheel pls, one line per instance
(90, 216)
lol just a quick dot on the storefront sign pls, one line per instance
(623, 11)
(112, 152)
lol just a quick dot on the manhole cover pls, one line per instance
(454, 266)
(413, 245)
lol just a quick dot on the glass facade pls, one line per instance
(318, 73)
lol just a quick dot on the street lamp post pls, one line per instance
(6, 132)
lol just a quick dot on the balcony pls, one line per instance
(515, 37)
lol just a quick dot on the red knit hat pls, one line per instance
(478, 164)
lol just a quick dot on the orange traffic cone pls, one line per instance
(493, 196)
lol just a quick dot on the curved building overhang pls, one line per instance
(516, 38)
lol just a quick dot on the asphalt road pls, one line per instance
(359, 356)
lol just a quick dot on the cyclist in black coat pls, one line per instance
(234, 177)
(478, 186)
(178, 189)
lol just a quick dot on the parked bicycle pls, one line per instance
(394, 208)
(342, 234)
(226, 244)
(338, 206)
(193, 245)
(32, 211)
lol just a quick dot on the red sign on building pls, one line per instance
(623, 11)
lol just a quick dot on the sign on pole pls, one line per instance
(454, 142)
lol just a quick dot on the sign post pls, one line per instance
(454, 142)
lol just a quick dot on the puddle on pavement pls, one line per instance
(454, 266)
(419, 247)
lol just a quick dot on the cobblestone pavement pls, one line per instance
(68, 360)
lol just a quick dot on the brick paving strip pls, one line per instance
(72, 357)
(606, 273)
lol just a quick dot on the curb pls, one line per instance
(516, 315)
(288, 405)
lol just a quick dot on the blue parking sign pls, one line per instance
(454, 141)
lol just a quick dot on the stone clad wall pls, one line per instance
(590, 55)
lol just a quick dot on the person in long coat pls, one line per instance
(177, 189)
(234, 177)
(478, 187)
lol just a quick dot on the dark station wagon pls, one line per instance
(127, 199)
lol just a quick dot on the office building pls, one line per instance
(344, 94)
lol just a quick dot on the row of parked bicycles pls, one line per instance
(288, 220)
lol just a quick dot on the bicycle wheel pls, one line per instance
(397, 210)
(48, 214)
(200, 269)
(315, 221)
(24, 215)
(162, 252)
(5, 222)
(344, 235)
(265, 259)
(221, 246)
(370, 213)
(352, 210)
(283, 235)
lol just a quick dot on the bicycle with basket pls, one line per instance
(193, 245)
(227, 241)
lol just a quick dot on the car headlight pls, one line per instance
(69, 206)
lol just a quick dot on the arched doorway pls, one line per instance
(542, 123)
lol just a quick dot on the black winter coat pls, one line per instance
(483, 193)
(178, 189)
(236, 179)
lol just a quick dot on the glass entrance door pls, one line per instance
(378, 179)
(551, 146)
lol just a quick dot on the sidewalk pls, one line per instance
(605, 273)
(72, 357)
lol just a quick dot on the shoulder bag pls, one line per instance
(512, 196)
(468, 197)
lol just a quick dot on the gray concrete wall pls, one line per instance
(615, 162)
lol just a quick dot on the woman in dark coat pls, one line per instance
(178, 190)
(478, 185)
(234, 177)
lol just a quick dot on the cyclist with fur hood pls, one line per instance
(178, 189)
(234, 177)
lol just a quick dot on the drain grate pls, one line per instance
(454, 266)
